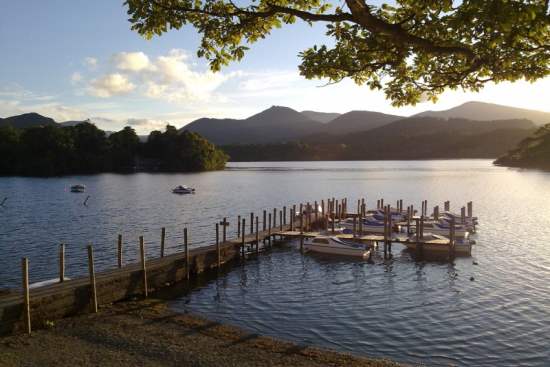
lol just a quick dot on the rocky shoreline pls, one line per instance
(147, 333)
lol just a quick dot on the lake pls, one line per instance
(489, 309)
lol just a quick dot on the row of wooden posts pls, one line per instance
(309, 214)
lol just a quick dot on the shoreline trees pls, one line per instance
(85, 149)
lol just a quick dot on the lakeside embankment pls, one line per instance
(147, 333)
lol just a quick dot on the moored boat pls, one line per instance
(336, 246)
(78, 188)
(433, 243)
(182, 189)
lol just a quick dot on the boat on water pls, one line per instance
(443, 228)
(78, 188)
(433, 243)
(336, 246)
(182, 189)
(369, 225)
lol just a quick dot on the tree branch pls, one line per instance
(362, 15)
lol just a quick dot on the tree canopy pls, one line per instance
(52, 150)
(411, 49)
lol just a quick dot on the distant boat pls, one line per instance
(336, 246)
(183, 190)
(78, 188)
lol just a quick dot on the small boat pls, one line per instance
(78, 188)
(183, 190)
(369, 225)
(433, 243)
(443, 229)
(336, 246)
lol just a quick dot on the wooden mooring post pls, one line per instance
(224, 225)
(284, 215)
(238, 226)
(61, 263)
(386, 220)
(417, 236)
(162, 239)
(281, 220)
(447, 206)
(257, 236)
(242, 239)
(26, 294)
(269, 229)
(436, 212)
(218, 251)
(143, 266)
(264, 223)
(186, 249)
(452, 237)
(119, 251)
(91, 273)
(409, 217)
(470, 209)
(462, 215)
(251, 223)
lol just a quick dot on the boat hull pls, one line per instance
(460, 248)
(326, 249)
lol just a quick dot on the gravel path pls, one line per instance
(147, 333)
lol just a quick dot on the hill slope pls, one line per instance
(412, 138)
(489, 111)
(532, 152)
(27, 120)
(275, 124)
(359, 121)
(324, 117)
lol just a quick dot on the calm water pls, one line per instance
(410, 311)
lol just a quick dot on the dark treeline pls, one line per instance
(532, 152)
(82, 149)
(369, 146)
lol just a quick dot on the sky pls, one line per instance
(78, 59)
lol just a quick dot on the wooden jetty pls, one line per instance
(37, 306)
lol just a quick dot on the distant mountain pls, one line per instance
(355, 121)
(488, 111)
(27, 120)
(417, 126)
(532, 152)
(276, 124)
(409, 138)
(323, 117)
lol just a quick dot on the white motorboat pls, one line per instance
(183, 190)
(433, 243)
(369, 225)
(78, 188)
(336, 246)
(443, 229)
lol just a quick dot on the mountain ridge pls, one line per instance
(483, 111)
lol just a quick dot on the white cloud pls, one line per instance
(91, 63)
(171, 77)
(132, 61)
(110, 85)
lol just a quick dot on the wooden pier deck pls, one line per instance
(254, 235)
